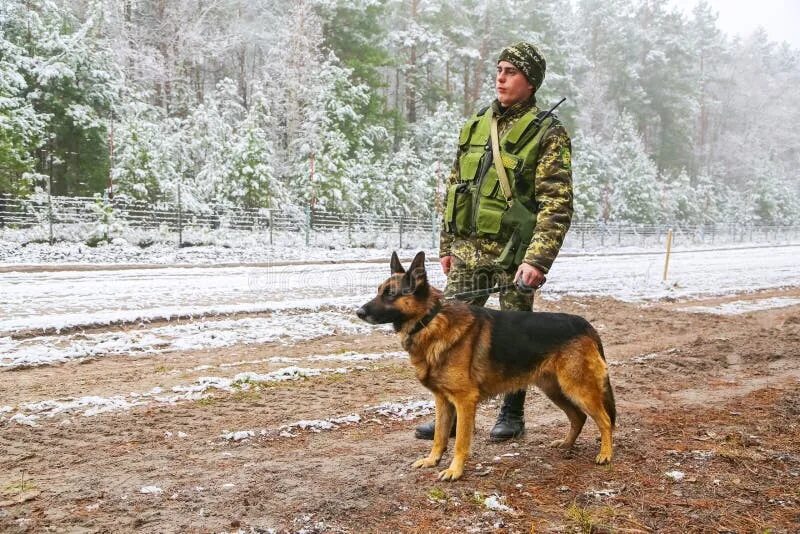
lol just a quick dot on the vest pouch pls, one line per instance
(468, 165)
(491, 206)
(458, 209)
(523, 221)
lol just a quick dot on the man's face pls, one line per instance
(511, 85)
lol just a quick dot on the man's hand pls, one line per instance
(447, 262)
(530, 276)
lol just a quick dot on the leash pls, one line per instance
(469, 295)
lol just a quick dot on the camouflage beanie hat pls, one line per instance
(528, 59)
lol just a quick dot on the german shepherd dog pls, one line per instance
(465, 354)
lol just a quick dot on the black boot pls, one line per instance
(426, 430)
(511, 421)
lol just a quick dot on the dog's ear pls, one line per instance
(417, 276)
(419, 262)
(395, 264)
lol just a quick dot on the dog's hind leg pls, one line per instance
(466, 406)
(441, 433)
(603, 421)
(577, 418)
(590, 396)
(582, 375)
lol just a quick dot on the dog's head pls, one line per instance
(401, 297)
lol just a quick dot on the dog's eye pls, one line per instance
(388, 293)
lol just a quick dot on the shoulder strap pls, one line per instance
(498, 163)
(537, 124)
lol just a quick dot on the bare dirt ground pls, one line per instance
(714, 398)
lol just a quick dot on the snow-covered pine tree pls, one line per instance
(635, 192)
(591, 178)
(22, 129)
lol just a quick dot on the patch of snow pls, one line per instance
(22, 419)
(600, 494)
(152, 490)
(89, 406)
(353, 356)
(238, 435)
(95, 405)
(677, 476)
(319, 425)
(739, 307)
(279, 327)
(406, 411)
(497, 504)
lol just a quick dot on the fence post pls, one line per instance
(180, 218)
(433, 230)
(401, 232)
(50, 197)
(308, 224)
(350, 229)
(271, 224)
(50, 216)
(669, 247)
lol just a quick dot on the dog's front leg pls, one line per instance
(465, 426)
(441, 433)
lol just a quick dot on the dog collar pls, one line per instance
(425, 321)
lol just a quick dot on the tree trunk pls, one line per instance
(477, 76)
(411, 75)
(467, 106)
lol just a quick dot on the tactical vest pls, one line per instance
(476, 205)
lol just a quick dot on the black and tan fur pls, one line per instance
(465, 354)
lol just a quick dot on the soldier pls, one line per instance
(480, 247)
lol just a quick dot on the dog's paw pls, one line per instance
(426, 462)
(561, 444)
(603, 458)
(451, 474)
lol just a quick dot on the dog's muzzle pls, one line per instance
(364, 316)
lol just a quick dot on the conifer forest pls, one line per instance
(355, 106)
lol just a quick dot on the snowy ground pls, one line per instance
(325, 247)
(65, 299)
(301, 302)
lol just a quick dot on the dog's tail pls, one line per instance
(596, 338)
(608, 402)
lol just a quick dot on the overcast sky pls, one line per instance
(781, 18)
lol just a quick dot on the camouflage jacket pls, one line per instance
(552, 183)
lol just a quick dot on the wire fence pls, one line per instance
(87, 219)
(46, 218)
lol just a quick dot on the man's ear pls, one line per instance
(395, 264)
